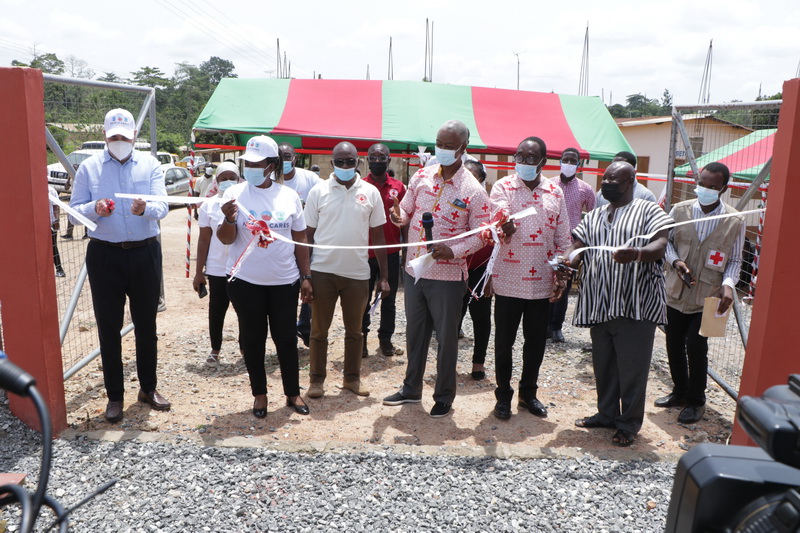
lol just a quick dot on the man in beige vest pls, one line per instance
(704, 259)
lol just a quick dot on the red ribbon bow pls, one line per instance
(261, 229)
(499, 218)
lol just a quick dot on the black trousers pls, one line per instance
(558, 310)
(115, 273)
(507, 314)
(480, 310)
(56, 255)
(388, 307)
(687, 352)
(256, 305)
(218, 303)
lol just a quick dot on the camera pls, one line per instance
(727, 489)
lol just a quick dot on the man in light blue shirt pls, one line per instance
(123, 257)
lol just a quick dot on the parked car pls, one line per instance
(58, 177)
(199, 163)
(177, 180)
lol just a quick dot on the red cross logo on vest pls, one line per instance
(715, 258)
(455, 214)
(436, 188)
(436, 208)
(533, 271)
(510, 253)
(485, 207)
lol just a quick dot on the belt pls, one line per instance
(127, 245)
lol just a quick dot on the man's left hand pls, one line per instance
(509, 228)
(441, 252)
(137, 207)
(725, 299)
(625, 255)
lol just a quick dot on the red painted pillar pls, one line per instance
(773, 346)
(27, 276)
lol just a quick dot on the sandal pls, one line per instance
(212, 360)
(623, 438)
(591, 422)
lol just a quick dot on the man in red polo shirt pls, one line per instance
(391, 189)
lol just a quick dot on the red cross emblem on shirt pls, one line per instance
(465, 200)
(436, 188)
(485, 207)
(533, 236)
(550, 254)
(551, 218)
(715, 257)
(536, 196)
(510, 253)
(455, 214)
(437, 208)
(533, 271)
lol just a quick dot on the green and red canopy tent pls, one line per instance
(744, 157)
(314, 115)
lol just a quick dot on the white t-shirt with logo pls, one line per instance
(210, 216)
(280, 207)
(302, 182)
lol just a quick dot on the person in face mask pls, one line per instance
(212, 258)
(378, 160)
(639, 190)
(458, 203)
(300, 181)
(579, 197)
(708, 256)
(343, 210)
(523, 282)
(621, 299)
(268, 280)
(123, 257)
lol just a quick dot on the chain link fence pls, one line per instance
(741, 137)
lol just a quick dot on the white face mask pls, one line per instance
(568, 170)
(120, 150)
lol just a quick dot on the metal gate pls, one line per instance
(736, 134)
(74, 110)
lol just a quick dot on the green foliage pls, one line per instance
(639, 105)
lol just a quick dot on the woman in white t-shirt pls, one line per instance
(212, 259)
(265, 280)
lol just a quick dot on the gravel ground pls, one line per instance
(182, 486)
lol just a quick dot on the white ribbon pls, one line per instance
(653, 234)
(171, 199)
(53, 197)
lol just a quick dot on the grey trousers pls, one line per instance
(621, 352)
(432, 305)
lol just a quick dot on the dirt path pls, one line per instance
(216, 403)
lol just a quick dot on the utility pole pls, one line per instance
(517, 54)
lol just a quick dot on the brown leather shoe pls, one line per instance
(154, 400)
(315, 390)
(114, 411)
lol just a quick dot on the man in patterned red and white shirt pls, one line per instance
(433, 303)
(579, 197)
(523, 281)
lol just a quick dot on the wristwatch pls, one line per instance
(307, 276)
(229, 222)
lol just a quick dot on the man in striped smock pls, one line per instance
(622, 299)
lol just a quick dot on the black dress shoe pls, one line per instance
(114, 411)
(154, 400)
(260, 413)
(502, 410)
(670, 400)
(691, 413)
(478, 375)
(535, 407)
(299, 408)
(558, 336)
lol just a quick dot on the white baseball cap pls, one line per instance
(259, 148)
(120, 122)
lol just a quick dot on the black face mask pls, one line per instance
(378, 168)
(611, 191)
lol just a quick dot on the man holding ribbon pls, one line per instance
(343, 211)
(704, 259)
(523, 281)
(622, 298)
(458, 203)
(123, 258)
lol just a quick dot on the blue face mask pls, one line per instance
(527, 172)
(706, 196)
(225, 185)
(445, 157)
(254, 176)
(344, 174)
(288, 166)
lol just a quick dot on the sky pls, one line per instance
(638, 46)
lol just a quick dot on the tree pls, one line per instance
(47, 63)
(666, 100)
(150, 77)
(217, 68)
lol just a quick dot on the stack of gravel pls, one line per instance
(185, 487)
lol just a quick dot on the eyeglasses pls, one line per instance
(345, 162)
(530, 160)
(377, 159)
(288, 157)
